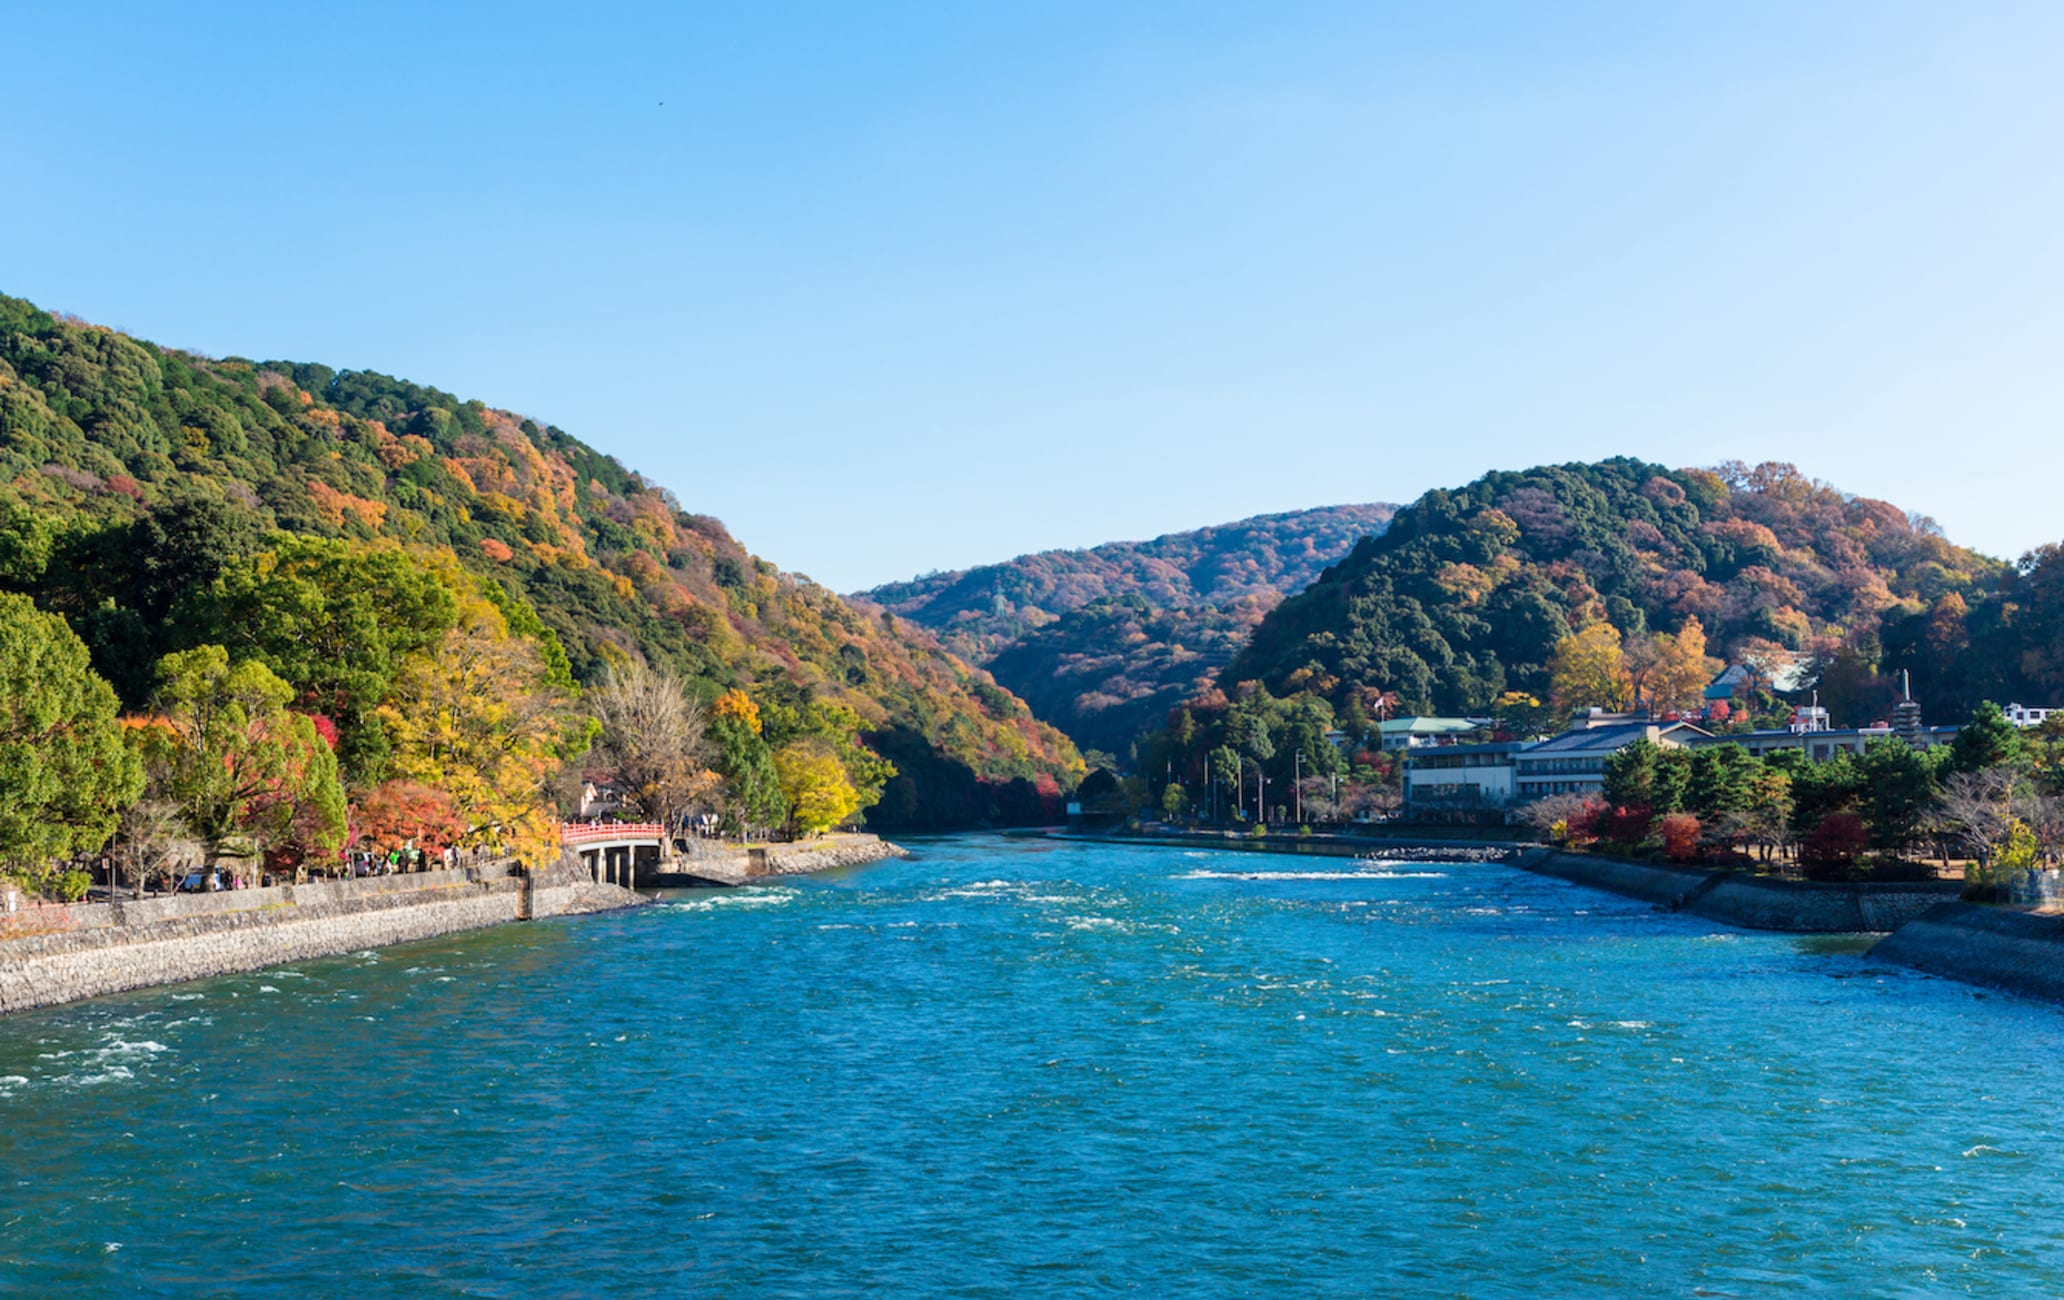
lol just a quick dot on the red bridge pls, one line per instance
(611, 849)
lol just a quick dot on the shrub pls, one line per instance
(71, 886)
(1258, 830)
(1626, 825)
(1836, 843)
(1587, 821)
(1680, 832)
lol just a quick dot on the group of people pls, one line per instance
(409, 857)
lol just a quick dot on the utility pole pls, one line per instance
(1297, 787)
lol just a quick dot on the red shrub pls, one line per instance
(1627, 824)
(1680, 833)
(324, 728)
(1838, 841)
(1588, 822)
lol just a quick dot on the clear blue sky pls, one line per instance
(897, 287)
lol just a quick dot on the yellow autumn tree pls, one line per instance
(820, 794)
(1682, 668)
(478, 717)
(1587, 670)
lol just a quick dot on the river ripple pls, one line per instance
(1063, 1069)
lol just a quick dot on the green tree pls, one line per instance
(1898, 789)
(1722, 781)
(238, 764)
(1647, 775)
(1987, 740)
(1173, 801)
(337, 620)
(65, 774)
(1820, 789)
(752, 782)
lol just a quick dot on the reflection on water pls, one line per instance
(1068, 1068)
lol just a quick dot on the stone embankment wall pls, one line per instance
(824, 854)
(1752, 902)
(110, 947)
(2017, 951)
(712, 864)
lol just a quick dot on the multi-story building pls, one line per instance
(1503, 773)
(1574, 762)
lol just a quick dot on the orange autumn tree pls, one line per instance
(396, 813)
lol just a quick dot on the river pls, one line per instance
(1008, 1067)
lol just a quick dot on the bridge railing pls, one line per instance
(571, 833)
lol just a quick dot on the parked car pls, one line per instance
(198, 882)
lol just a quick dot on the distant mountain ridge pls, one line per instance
(1100, 641)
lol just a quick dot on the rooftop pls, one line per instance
(1610, 738)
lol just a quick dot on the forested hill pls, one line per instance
(108, 442)
(1468, 592)
(978, 611)
(1102, 642)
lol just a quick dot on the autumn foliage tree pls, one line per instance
(483, 718)
(243, 769)
(397, 813)
(1587, 670)
(815, 784)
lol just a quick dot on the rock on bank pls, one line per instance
(89, 951)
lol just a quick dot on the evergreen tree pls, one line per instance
(1987, 740)
(1898, 786)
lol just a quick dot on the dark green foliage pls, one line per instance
(1651, 776)
(1466, 592)
(746, 762)
(1721, 780)
(1820, 789)
(1987, 740)
(1898, 785)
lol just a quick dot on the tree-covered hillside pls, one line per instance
(1114, 668)
(1469, 593)
(1102, 642)
(979, 611)
(132, 475)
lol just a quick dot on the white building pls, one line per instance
(2023, 716)
(1461, 776)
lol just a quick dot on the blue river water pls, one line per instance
(1011, 1067)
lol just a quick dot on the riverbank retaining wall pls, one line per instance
(112, 947)
(2019, 952)
(1753, 902)
(710, 863)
